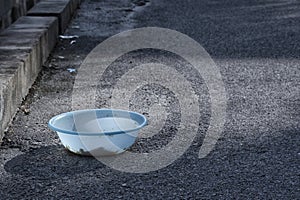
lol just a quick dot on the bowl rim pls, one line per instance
(64, 131)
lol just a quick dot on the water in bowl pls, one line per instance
(107, 125)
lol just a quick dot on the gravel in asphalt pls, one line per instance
(255, 46)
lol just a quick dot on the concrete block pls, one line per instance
(30, 3)
(62, 9)
(27, 72)
(28, 50)
(10, 85)
(14, 40)
(6, 5)
(49, 27)
(5, 20)
(19, 9)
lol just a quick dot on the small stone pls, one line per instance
(25, 110)
(35, 143)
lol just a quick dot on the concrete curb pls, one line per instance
(11, 10)
(62, 9)
(24, 47)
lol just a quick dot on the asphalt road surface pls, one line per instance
(255, 45)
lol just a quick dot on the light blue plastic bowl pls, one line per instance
(98, 132)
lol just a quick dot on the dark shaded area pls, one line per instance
(254, 170)
(51, 162)
(232, 28)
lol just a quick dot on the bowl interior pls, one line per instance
(98, 121)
